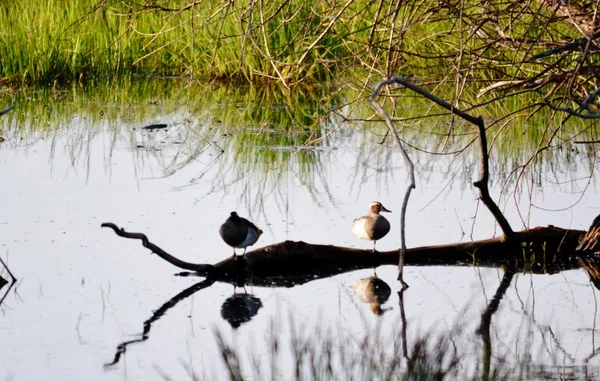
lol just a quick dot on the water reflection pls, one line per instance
(374, 291)
(240, 308)
(4, 282)
(159, 313)
(226, 149)
(486, 319)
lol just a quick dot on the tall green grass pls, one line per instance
(287, 42)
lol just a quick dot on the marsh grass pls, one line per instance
(288, 42)
(298, 352)
(376, 351)
(320, 354)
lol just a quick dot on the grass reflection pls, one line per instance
(318, 353)
(276, 137)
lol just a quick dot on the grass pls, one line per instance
(288, 42)
(451, 353)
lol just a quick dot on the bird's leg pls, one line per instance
(374, 243)
(375, 272)
(234, 255)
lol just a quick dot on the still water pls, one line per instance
(82, 291)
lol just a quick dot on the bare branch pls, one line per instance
(201, 269)
(569, 46)
(482, 183)
(409, 164)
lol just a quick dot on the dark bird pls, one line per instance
(240, 308)
(239, 233)
(374, 226)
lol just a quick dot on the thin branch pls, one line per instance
(325, 31)
(573, 45)
(409, 164)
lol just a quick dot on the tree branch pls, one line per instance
(201, 269)
(482, 183)
(411, 171)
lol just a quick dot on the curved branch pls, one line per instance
(201, 269)
(482, 183)
(411, 171)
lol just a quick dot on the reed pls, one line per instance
(283, 41)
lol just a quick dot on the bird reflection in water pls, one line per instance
(240, 308)
(374, 291)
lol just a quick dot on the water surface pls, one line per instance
(82, 290)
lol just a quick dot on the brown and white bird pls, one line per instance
(239, 233)
(374, 226)
(374, 291)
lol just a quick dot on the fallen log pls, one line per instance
(541, 250)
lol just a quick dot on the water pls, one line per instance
(82, 290)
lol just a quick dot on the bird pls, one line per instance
(374, 226)
(238, 232)
(374, 291)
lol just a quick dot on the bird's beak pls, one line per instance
(383, 209)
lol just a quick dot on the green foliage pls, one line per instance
(285, 41)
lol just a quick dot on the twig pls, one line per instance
(325, 31)
(568, 46)
(571, 112)
(2, 112)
